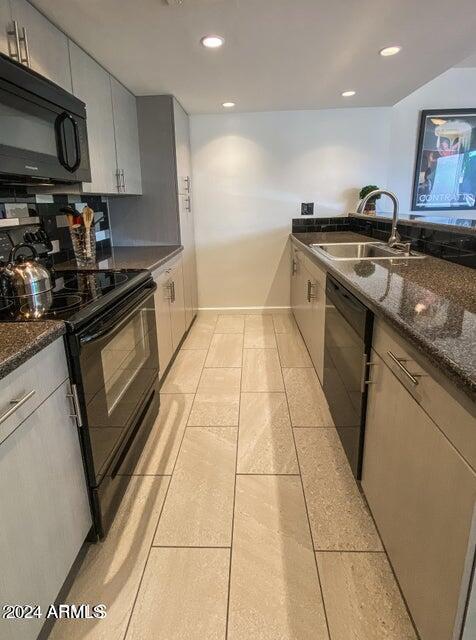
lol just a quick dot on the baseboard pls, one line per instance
(243, 310)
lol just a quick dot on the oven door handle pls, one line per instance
(116, 323)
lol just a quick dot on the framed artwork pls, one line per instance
(445, 169)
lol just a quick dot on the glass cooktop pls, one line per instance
(75, 295)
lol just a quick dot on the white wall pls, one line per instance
(456, 88)
(251, 171)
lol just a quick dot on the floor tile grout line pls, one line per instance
(324, 426)
(146, 475)
(286, 475)
(307, 512)
(211, 426)
(158, 519)
(234, 499)
(188, 546)
(312, 539)
(348, 551)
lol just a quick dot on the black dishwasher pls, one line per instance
(348, 336)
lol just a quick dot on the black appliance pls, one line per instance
(111, 343)
(43, 135)
(348, 338)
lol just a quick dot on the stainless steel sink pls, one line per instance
(363, 251)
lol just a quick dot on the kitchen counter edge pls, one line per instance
(149, 257)
(19, 341)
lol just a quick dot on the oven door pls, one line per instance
(39, 140)
(119, 363)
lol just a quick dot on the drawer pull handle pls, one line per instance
(403, 369)
(16, 404)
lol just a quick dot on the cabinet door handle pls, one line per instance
(24, 39)
(403, 369)
(13, 33)
(188, 205)
(123, 181)
(310, 291)
(118, 180)
(294, 267)
(16, 404)
(173, 291)
(187, 184)
(76, 410)
(363, 379)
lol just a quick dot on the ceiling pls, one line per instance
(278, 54)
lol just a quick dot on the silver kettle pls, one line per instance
(26, 277)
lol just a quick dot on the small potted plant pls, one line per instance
(370, 206)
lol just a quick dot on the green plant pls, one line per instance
(368, 189)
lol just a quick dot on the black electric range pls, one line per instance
(76, 297)
(111, 346)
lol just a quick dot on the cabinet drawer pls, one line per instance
(452, 418)
(30, 385)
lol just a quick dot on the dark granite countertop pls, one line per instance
(430, 302)
(19, 341)
(140, 257)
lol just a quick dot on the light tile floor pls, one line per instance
(242, 520)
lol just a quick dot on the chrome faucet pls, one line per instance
(394, 241)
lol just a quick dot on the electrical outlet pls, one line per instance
(307, 208)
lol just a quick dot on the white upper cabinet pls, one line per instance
(124, 106)
(5, 25)
(182, 149)
(92, 85)
(44, 44)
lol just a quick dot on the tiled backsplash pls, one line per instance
(47, 213)
(441, 241)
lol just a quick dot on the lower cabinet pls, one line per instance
(316, 316)
(298, 288)
(308, 302)
(44, 509)
(187, 234)
(170, 310)
(422, 493)
(162, 299)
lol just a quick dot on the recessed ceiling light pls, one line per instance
(228, 105)
(212, 42)
(390, 51)
(348, 94)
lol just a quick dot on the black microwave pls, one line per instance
(43, 135)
